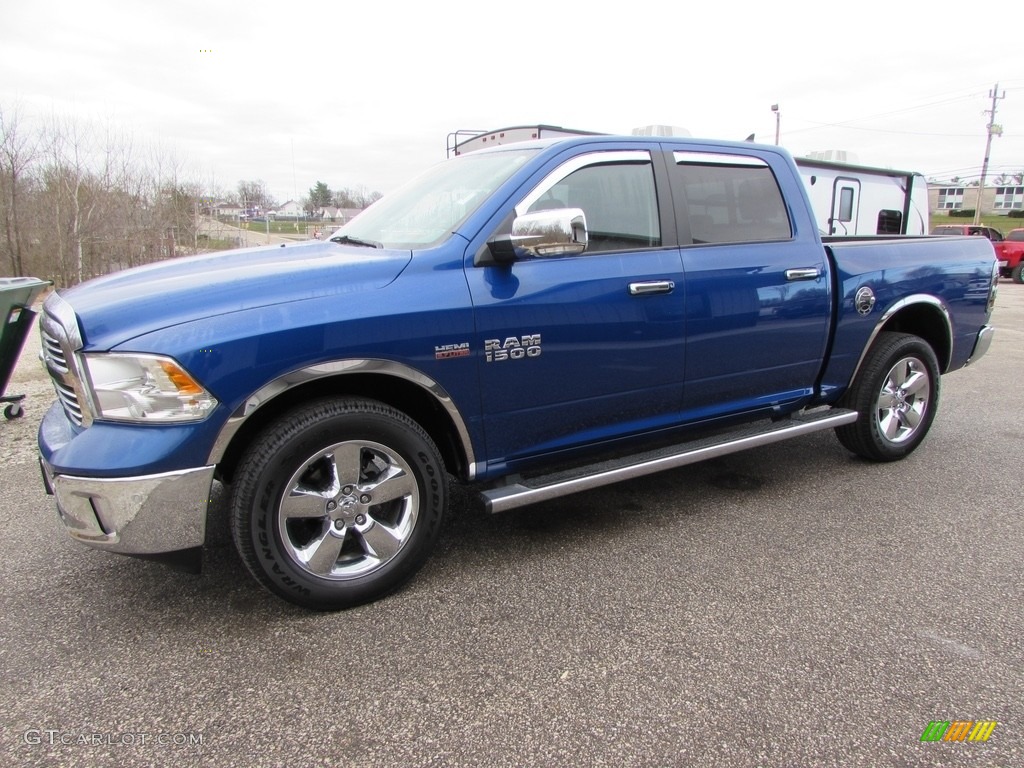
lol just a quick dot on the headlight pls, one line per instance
(144, 388)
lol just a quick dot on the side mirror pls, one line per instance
(556, 232)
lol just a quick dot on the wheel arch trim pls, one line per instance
(916, 300)
(293, 379)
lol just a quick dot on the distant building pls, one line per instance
(224, 209)
(291, 210)
(995, 200)
(835, 156)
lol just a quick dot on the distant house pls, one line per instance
(339, 215)
(226, 210)
(291, 210)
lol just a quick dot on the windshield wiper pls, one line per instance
(349, 240)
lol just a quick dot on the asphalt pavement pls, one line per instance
(788, 606)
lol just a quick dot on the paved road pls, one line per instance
(791, 606)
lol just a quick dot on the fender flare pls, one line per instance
(288, 381)
(904, 303)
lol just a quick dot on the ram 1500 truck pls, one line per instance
(531, 320)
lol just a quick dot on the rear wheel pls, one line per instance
(896, 394)
(1018, 273)
(338, 503)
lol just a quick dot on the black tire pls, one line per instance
(14, 411)
(896, 394)
(1017, 275)
(338, 503)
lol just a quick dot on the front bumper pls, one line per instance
(142, 516)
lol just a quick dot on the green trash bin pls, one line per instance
(17, 295)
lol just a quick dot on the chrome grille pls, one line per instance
(53, 353)
(69, 400)
(58, 327)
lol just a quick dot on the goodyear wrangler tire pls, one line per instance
(338, 503)
(896, 394)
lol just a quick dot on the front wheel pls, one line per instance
(896, 394)
(338, 503)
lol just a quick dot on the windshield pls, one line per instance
(431, 206)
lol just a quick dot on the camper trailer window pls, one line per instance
(846, 204)
(889, 222)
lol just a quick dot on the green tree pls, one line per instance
(319, 196)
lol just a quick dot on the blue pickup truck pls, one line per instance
(531, 320)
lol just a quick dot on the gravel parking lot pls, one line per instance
(788, 606)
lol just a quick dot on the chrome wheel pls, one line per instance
(903, 400)
(896, 394)
(338, 502)
(348, 510)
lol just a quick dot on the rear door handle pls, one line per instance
(807, 273)
(651, 286)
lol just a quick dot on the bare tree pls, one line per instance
(254, 194)
(355, 197)
(77, 174)
(18, 152)
(80, 199)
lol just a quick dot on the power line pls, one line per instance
(886, 130)
(964, 97)
(846, 123)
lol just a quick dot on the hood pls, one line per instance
(123, 305)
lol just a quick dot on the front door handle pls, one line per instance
(651, 286)
(808, 273)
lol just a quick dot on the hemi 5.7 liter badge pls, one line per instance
(445, 351)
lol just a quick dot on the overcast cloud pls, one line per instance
(365, 94)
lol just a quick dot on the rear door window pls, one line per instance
(729, 199)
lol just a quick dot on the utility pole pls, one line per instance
(993, 130)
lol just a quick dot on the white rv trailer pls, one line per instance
(859, 200)
(846, 199)
(462, 141)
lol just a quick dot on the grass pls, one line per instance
(217, 244)
(284, 227)
(1003, 223)
(278, 227)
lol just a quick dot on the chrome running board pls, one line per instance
(542, 488)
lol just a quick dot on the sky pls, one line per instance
(365, 94)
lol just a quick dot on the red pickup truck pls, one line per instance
(1010, 255)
